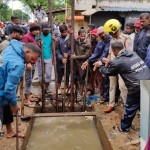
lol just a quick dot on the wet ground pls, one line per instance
(119, 141)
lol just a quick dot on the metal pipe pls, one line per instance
(54, 51)
(85, 89)
(17, 130)
(43, 78)
(64, 100)
(72, 52)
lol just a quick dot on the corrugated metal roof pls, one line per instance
(125, 9)
(89, 12)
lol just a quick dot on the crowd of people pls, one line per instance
(115, 61)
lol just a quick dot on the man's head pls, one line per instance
(101, 33)
(34, 29)
(112, 27)
(91, 27)
(144, 19)
(16, 32)
(116, 47)
(82, 35)
(46, 29)
(15, 20)
(137, 25)
(32, 52)
(63, 30)
(94, 34)
(129, 28)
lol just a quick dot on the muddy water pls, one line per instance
(64, 133)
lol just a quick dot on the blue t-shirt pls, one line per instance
(47, 46)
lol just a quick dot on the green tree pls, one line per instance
(22, 16)
(5, 12)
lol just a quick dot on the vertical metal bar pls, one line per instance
(23, 93)
(72, 52)
(54, 52)
(64, 99)
(43, 78)
(85, 89)
(17, 130)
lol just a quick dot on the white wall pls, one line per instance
(145, 112)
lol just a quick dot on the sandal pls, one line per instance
(14, 134)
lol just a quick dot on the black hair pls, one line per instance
(14, 17)
(131, 25)
(144, 15)
(117, 46)
(82, 27)
(63, 28)
(91, 26)
(17, 29)
(81, 31)
(33, 47)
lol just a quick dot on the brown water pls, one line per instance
(64, 133)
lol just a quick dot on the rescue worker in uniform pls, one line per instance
(112, 27)
(132, 69)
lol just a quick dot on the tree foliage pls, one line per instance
(6, 12)
(44, 3)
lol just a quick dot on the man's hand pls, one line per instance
(15, 108)
(84, 65)
(54, 37)
(96, 65)
(65, 55)
(29, 66)
(73, 56)
(105, 61)
(64, 60)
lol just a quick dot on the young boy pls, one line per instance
(82, 52)
(63, 50)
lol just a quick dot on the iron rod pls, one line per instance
(72, 52)
(54, 52)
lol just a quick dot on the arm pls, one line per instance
(96, 53)
(112, 70)
(15, 73)
(58, 53)
(105, 51)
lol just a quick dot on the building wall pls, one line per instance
(100, 18)
(145, 113)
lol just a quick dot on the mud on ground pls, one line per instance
(119, 141)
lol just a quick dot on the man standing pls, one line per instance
(112, 27)
(12, 64)
(63, 50)
(143, 40)
(14, 21)
(132, 69)
(16, 32)
(27, 38)
(47, 51)
(100, 52)
(82, 52)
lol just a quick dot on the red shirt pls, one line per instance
(27, 38)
